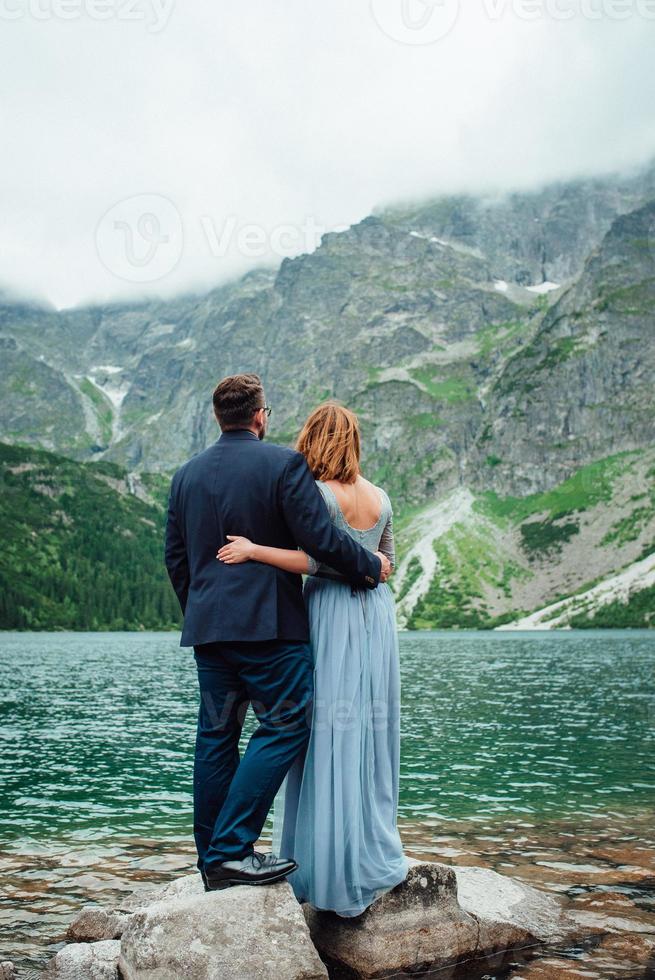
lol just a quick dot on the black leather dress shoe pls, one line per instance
(256, 869)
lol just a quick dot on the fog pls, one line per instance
(153, 146)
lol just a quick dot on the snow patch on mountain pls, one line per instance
(543, 287)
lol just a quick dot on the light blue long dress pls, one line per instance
(336, 812)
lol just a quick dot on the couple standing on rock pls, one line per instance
(320, 668)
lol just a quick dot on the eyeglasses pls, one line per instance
(265, 408)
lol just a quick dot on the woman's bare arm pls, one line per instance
(243, 549)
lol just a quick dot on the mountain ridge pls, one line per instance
(484, 350)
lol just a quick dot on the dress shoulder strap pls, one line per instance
(387, 509)
(330, 499)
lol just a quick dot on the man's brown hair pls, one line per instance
(236, 399)
(330, 443)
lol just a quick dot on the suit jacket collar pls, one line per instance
(236, 434)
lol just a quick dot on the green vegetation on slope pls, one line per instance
(635, 299)
(78, 552)
(448, 602)
(455, 596)
(414, 571)
(629, 528)
(547, 537)
(81, 552)
(588, 486)
(499, 337)
(638, 612)
(451, 389)
(511, 549)
(102, 408)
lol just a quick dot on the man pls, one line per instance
(247, 624)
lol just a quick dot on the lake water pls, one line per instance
(529, 753)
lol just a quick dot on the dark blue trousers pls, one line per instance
(232, 795)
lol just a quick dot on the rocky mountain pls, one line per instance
(535, 237)
(582, 387)
(490, 346)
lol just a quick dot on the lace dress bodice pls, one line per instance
(379, 537)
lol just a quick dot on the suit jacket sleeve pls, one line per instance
(177, 563)
(309, 522)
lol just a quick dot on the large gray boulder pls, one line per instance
(423, 924)
(181, 887)
(510, 913)
(93, 923)
(86, 961)
(241, 933)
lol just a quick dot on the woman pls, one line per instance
(336, 813)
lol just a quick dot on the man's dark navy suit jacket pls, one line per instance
(241, 485)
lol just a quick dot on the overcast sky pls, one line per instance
(153, 146)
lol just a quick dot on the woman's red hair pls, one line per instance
(330, 442)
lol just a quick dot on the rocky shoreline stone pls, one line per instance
(439, 917)
(237, 933)
(86, 961)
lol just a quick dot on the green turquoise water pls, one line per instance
(531, 753)
(97, 729)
